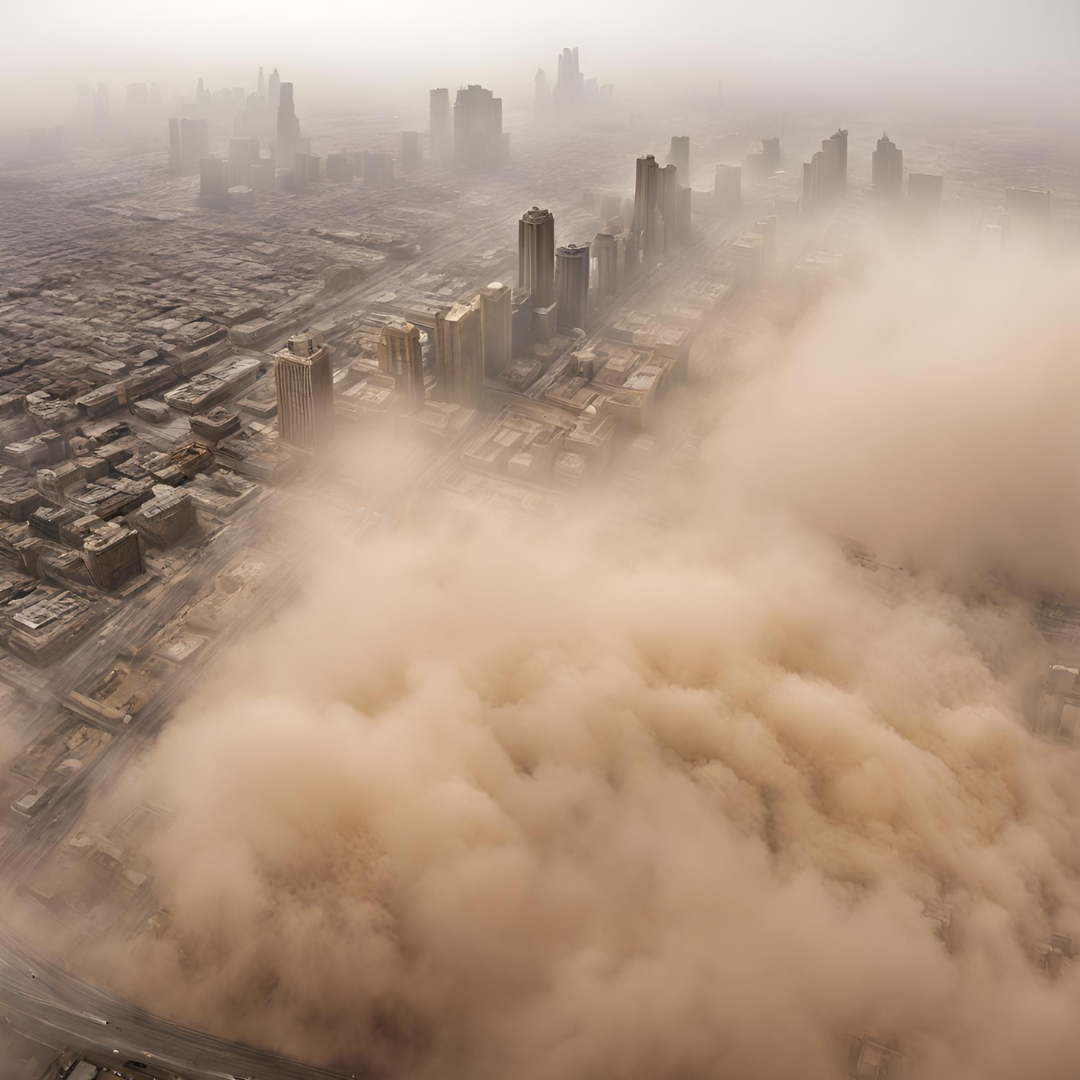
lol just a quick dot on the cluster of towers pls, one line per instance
(825, 177)
(479, 141)
(572, 92)
(471, 134)
(554, 282)
(825, 174)
(661, 204)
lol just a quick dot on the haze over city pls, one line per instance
(539, 543)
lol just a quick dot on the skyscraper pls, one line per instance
(496, 324)
(194, 140)
(101, 108)
(213, 181)
(536, 256)
(288, 128)
(888, 169)
(541, 94)
(478, 133)
(411, 155)
(275, 90)
(84, 103)
(924, 192)
(606, 249)
(669, 205)
(572, 287)
(648, 223)
(825, 175)
(679, 156)
(304, 379)
(440, 135)
(461, 356)
(137, 99)
(727, 194)
(569, 92)
(770, 152)
(840, 139)
(174, 143)
(400, 355)
(1027, 216)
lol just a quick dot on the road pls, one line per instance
(39, 998)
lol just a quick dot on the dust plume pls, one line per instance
(927, 410)
(612, 797)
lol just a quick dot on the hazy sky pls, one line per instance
(994, 51)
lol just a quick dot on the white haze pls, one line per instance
(996, 54)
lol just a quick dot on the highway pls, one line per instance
(39, 998)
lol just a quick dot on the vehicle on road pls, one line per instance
(33, 800)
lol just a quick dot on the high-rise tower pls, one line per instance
(572, 287)
(536, 256)
(304, 379)
(288, 128)
(888, 169)
(440, 133)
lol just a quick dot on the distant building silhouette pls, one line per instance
(888, 169)
(479, 142)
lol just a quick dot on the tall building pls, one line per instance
(378, 169)
(825, 175)
(411, 154)
(261, 84)
(288, 143)
(727, 193)
(101, 108)
(243, 160)
(669, 205)
(213, 181)
(401, 355)
(572, 287)
(648, 222)
(683, 222)
(840, 140)
(440, 132)
(461, 356)
(275, 90)
(478, 133)
(84, 103)
(610, 251)
(541, 94)
(770, 152)
(924, 192)
(1027, 216)
(496, 324)
(679, 156)
(887, 167)
(536, 256)
(174, 143)
(194, 140)
(569, 92)
(304, 378)
(137, 99)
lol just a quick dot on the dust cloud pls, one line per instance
(614, 797)
(927, 410)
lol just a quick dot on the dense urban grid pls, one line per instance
(228, 325)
